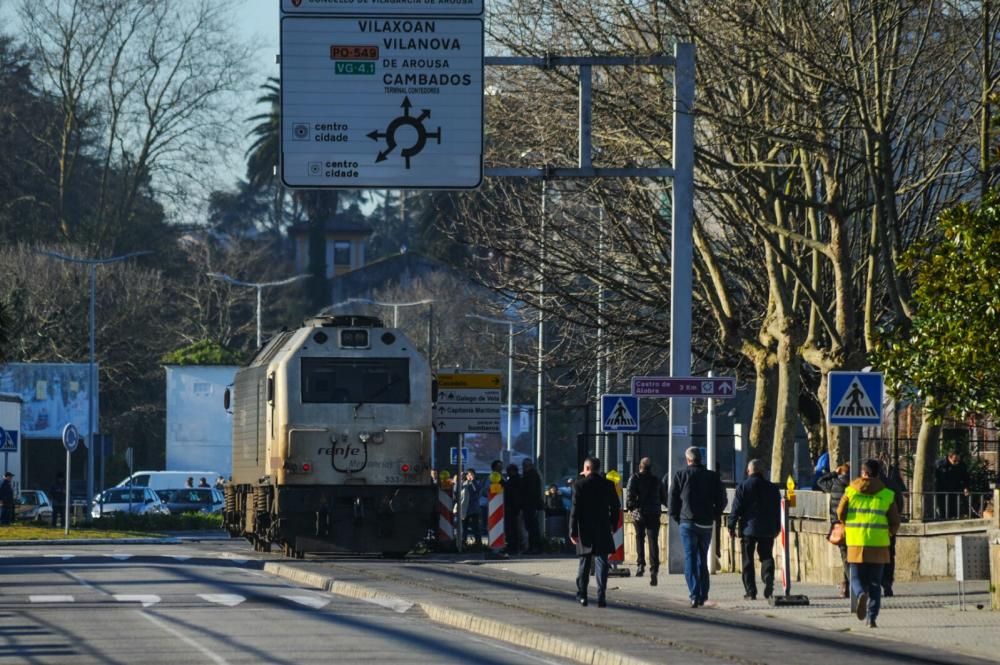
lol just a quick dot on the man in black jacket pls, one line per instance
(834, 484)
(531, 504)
(757, 513)
(512, 496)
(697, 499)
(592, 519)
(951, 478)
(7, 499)
(646, 495)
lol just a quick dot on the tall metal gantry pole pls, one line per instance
(91, 378)
(260, 286)
(510, 372)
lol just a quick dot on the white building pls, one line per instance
(199, 430)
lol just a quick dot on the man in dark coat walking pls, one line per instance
(756, 513)
(531, 505)
(646, 496)
(7, 499)
(697, 499)
(592, 519)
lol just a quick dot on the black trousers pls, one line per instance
(512, 529)
(765, 552)
(889, 571)
(648, 527)
(534, 533)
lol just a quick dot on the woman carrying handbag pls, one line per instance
(834, 484)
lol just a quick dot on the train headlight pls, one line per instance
(378, 437)
(364, 436)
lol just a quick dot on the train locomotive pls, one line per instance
(332, 441)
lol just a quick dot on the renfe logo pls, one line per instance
(345, 451)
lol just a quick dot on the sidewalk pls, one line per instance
(924, 613)
(530, 602)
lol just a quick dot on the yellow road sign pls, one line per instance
(482, 381)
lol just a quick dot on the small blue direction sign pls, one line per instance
(8, 440)
(70, 437)
(854, 398)
(465, 455)
(619, 413)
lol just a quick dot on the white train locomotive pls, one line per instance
(332, 440)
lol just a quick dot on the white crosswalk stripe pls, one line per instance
(145, 599)
(121, 557)
(227, 599)
(55, 598)
(309, 601)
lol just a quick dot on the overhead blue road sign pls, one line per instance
(619, 413)
(8, 440)
(854, 398)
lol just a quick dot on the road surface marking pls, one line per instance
(120, 557)
(51, 599)
(82, 581)
(227, 599)
(309, 601)
(145, 599)
(395, 604)
(208, 653)
(180, 557)
(59, 556)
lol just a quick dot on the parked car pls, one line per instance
(193, 500)
(138, 500)
(33, 505)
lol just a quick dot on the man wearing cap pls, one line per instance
(7, 499)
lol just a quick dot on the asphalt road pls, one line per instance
(191, 603)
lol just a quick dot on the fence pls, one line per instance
(944, 506)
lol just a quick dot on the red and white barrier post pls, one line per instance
(495, 518)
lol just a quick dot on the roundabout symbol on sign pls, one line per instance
(70, 438)
(416, 123)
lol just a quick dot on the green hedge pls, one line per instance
(181, 522)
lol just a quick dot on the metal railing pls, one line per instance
(944, 506)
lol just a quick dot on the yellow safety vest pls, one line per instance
(867, 522)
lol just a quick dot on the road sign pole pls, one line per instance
(620, 453)
(855, 454)
(713, 559)
(67, 500)
(459, 491)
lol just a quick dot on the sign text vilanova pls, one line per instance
(379, 100)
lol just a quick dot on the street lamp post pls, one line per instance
(91, 387)
(260, 286)
(510, 373)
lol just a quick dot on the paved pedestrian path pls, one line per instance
(921, 613)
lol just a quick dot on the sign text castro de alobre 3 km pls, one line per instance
(381, 102)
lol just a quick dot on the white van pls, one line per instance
(168, 480)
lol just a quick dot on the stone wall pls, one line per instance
(924, 551)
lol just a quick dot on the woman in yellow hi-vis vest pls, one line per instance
(870, 517)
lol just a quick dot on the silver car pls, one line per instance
(137, 500)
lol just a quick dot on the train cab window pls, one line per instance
(356, 380)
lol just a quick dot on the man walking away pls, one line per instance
(870, 517)
(57, 493)
(834, 484)
(697, 499)
(757, 513)
(7, 499)
(646, 495)
(531, 504)
(592, 519)
(512, 495)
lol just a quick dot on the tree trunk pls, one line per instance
(928, 441)
(786, 411)
(762, 421)
(837, 437)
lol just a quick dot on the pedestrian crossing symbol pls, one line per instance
(619, 413)
(854, 398)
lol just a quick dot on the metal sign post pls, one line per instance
(70, 439)
(854, 399)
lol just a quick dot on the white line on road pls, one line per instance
(390, 602)
(184, 638)
(145, 599)
(81, 580)
(51, 599)
(180, 557)
(309, 601)
(227, 599)
(60, 556)
(120, 557)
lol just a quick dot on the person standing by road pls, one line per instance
(531, 504)
(592, 515)
(470, 507)
(512, 495)
(697, 499)
(646, 496)
(7, 499)
(834, 484)
(870, 517)
(892, 479)
(57, 492)
(756, 512)
(951, 478)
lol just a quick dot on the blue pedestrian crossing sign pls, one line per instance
(619, 413)
(8, 440)
(854, 398)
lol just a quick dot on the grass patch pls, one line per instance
(118, 525)
(38, 532)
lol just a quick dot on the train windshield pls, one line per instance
(356, 380)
